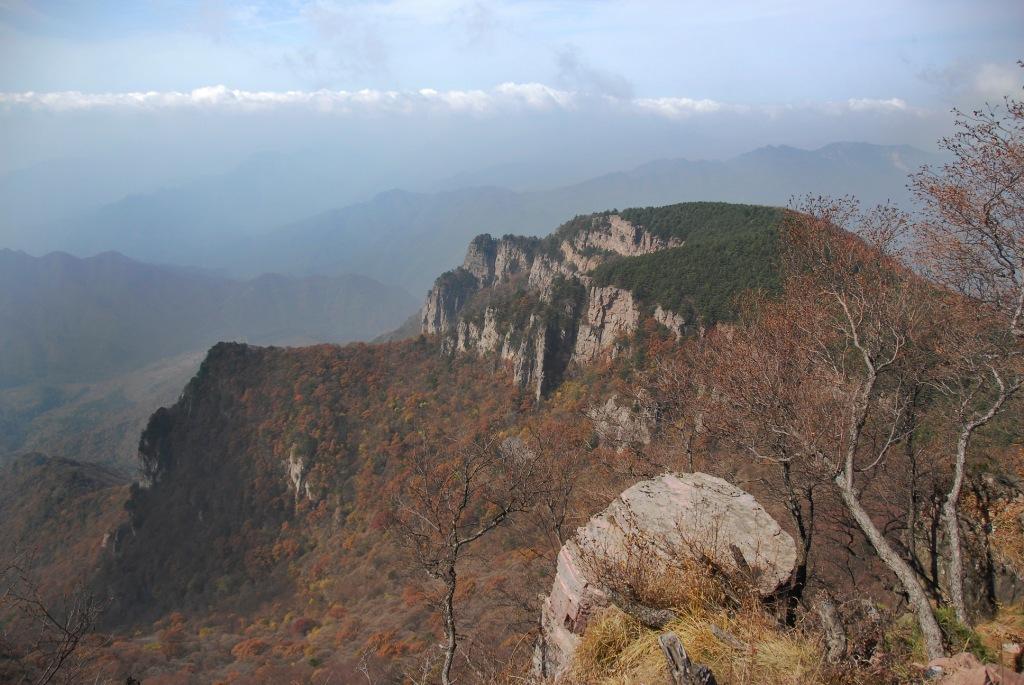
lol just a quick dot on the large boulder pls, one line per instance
(674, 514)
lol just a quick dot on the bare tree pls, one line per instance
(448, 503)
(751, 369)
(972, 233)
(820, 379)
(971, 240)
(978, 375)
(51, 630)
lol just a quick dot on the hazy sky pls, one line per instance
(206, 83)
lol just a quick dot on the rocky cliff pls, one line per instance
(542, 304)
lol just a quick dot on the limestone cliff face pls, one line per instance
(611, 315)
(531, 303)
(446, 299)
(612, 235)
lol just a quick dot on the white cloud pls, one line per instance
(678, 108)
(875, 105)
(997, 80)
(508, 95)
(502, 98)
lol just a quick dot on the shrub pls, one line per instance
(246, 649)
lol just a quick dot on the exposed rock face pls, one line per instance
(297, 468)
(678, 514)
(670, 320)
(622, 425)
(614, 235)
(541, 347)
(446, 299)
(511, 259)
(480, 256)
(611, 314)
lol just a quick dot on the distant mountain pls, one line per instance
(35, 200)
(518, 176)
(404, 238)
(209, 213)
(65, 319)
(292, 213)
(90, 347)
(97, 422)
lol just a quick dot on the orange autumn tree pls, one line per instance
(819, 380)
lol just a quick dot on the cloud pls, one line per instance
(573, 71)
(506, 97)
(532, 96)
(995, 81)
(968, 83)
(679, 108)
(348, 42)
(875, 105)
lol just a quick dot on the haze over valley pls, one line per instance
(511, 341)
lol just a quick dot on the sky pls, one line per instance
(160, 89)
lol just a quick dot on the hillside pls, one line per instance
(264, 541)
(55, 513)
(98, 421)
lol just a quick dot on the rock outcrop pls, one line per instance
(965, 669)
(611, 314)
(677, 515)
(446, 299)
(570, 319)
(621, 425)
(297, 467)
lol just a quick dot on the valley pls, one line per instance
(494, 342)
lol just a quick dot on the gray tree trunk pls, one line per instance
(930, 630)
(681, 670)
(448, 612)
(951, 520)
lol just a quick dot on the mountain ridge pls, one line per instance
(406, 237)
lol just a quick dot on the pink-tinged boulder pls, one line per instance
(674, 514)
(965, 669)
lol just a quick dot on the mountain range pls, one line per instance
(264, 216)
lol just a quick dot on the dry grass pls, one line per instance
(616, 649)
(1008, 533)
(1006, 626)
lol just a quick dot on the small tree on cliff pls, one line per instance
(971, 240)
(449, 502)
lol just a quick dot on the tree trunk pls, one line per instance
(930, 630)
(448, 611)
(805, 530)
(951, 520)
(681, 670)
